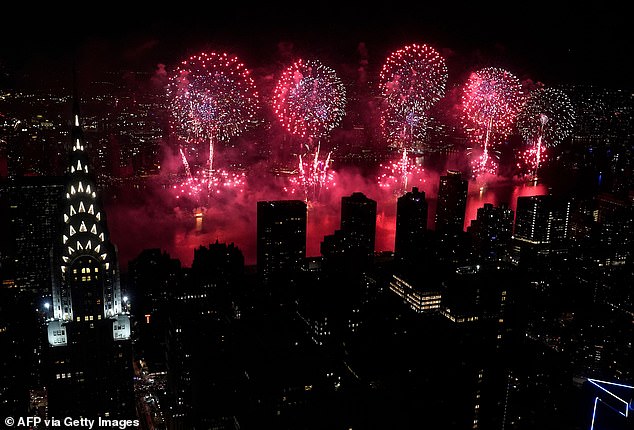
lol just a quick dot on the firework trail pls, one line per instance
(398, 175)
(211, 98)
(546, 119)
(491, 100)
(411, 81)
(313, 176)
(404, 126)
(309, 101)
(188, 171)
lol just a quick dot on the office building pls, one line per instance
(411, 227)
(452, 203)
(281, 242)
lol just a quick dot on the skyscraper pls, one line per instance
(35, 210)
(89, 354)
(491, 232)
(534, 220)
(358, 221)
(452, 203)
(154, 280)
(411, 226)
(281, 246)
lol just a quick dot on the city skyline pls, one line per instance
(264, 221)
(132, 122)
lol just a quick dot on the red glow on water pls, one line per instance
(134, 220)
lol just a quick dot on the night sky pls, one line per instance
(579, 43)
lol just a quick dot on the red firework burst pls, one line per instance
(309, 99)
(491, 100)
(212, 97)
(412, 80)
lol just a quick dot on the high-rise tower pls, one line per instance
(281, 242)
(358, 221)
(89, 354)
(411, 227)
(452, 203)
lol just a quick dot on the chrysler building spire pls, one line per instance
(89, 355)
(87, 283)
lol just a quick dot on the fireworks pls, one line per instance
(414, 76)
(412, 80)
(491, 100)
(400, 174)
(404, 127)
(486, 162)
(545, 120)
(212, 97)
(193, 187)
(309, 99)
(313, 176)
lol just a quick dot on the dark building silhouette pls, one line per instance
(351, 248)
(218, 270)
(153, 278)
(347, 263)
(154, 281)
(35, 204)
(281, 245)
(491, 232)
(411, 227)
(218, 265)
(20, 351)
(615, 219)
(452, 203)
(358, 222)
(89, 353)
(532, 222)
(202, 378)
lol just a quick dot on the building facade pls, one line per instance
(89, 359)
